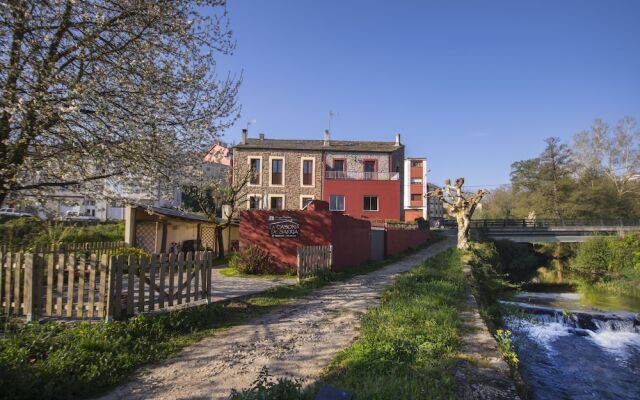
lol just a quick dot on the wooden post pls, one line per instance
(299, 256)
(209, 268)
(30, 288)
(110, 292)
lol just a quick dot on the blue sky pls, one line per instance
(471, 85)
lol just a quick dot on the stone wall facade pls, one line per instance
(292, 188)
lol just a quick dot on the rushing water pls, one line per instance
(574, 345)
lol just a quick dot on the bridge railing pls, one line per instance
(549, 223)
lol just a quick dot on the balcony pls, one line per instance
(363, 176)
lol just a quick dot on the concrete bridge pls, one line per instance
(547, 230)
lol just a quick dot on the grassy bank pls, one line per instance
(54, 360)
(610, 264)
(406, 347)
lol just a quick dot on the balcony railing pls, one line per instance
(363, 176)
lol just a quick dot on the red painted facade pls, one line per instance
(318, 226)
(387, 191)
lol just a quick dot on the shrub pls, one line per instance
(602, 258)
(264, 387)
(131, 251)
(505, 347)
(253, 260)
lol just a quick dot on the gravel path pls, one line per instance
(297, 340)
(227, 287)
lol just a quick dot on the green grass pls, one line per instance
(407, 347)
(79, 360)
(233, 273)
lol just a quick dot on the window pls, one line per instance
(305, 200)
(254, 202)
(416, 163)
(416, 197)
(276, 202)
(371, 203)
(277, 168)
(307, 172)
(339, 168)
(369, 169)
(336, 202)
(416, 181)
(254, 165)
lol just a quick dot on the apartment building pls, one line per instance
(415, 189)
(359, 178)
(436, 209)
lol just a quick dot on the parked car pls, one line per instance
(76, 216)
(12, 212)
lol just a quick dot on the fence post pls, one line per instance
(111, 292)
(299, 263)
(31, 293)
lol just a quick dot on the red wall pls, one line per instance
(388, 193)
(351, 237)
(351, 241)
(315, 229)
(399, 240)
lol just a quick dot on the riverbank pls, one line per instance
(559, 341)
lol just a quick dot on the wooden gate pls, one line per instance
(312, 259)
(80, 286)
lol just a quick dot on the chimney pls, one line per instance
(261, 136)
(397, 140)
(244, 136)
(327, 138)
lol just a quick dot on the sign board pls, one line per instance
(283, 227)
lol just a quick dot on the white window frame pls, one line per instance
(284, 176)
(261, 167)
(305, 196)
(313, 171)
(270, 196)
(377, 203)
(344, 202)
(250, 195)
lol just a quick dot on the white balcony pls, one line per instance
(363, 176)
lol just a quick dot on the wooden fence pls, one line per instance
(312, 259)
(72, 286)
(92, 247)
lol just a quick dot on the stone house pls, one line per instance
(359, 178)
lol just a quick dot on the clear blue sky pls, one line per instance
(471, 85)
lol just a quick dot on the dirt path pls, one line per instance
(296, 340)
(228, 287)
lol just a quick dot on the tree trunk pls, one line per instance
(464, 223)
(220, 241)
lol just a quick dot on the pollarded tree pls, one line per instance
(97, 89)
(459, 205)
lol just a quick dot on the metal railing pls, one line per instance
(363, 176)
(551, 223)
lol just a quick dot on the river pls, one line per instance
(574, 345)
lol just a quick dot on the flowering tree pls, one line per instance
(98, 89)
(459, 205)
